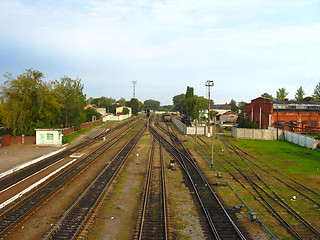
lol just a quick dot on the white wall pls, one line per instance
(271, 134)
(43, 140)
(188, 130)
(115, 118)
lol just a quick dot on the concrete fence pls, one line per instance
(188, 130)
(116, 118)
(259, 134)
(271, 134)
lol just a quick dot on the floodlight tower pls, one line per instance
(209, 83)
(134, 88)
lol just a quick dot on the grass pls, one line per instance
(283, 155)
(69, 137)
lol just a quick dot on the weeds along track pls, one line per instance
(221, 225)
(269, 187)
(152, 222)
(76, 217)
(24, 208)
(25, 172)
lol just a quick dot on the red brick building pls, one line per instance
(291, 115)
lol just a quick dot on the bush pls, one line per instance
(246, 123)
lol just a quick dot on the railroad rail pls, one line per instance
(265, 194)
(25, 172)
(153, 219)
(222, 226)
(75, 218)
(20, 210)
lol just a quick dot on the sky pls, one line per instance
(247, 47)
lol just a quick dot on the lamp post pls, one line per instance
(209, 83)
(134, 88)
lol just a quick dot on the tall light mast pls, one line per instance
(209, 83)
(134, 88)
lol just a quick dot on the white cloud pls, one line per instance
(176, 42)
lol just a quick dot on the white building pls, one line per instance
(49, 136)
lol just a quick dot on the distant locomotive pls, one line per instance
(167, 117)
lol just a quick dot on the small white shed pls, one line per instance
(49, 136)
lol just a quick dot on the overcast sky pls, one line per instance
(247, 47)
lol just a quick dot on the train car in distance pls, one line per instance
(167, 117)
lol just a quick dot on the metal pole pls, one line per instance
(209, 83)
(212, 147)
(196, 135)
(209, 113)
(134, 88)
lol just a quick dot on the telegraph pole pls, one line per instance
(134, 88)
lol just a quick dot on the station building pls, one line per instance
(297, 116)
(49, 136)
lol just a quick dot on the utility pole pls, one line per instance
(134, 88)
(209, 83)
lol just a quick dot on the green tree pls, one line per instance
(316, 93)
(234, 106)
(308, 99)
(125, 111)
(189, 93)
(246, 123)
(121, 102)
(190, 104)
(152, 104)
(281, 94)
(27, 102)
(267, 95)
(73, 100)
(135, 105)
(166, 108)
(178, 102)
(241, 106)
(90, 112)
(299, 94)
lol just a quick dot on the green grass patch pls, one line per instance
(283, 155)
(69, 137)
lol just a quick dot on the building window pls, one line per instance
(305, 122)
(313, 123)
(49, 136)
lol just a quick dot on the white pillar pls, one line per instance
(260, 119)
(252, 114)
(270, 119)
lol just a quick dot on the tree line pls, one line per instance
(190, 104)
(282, 94)
(28, 102)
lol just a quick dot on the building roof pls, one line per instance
(229, 113)
(221, 106)
(50, 129)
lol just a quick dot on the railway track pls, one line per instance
(255, 180)
(24, 208)
(74, 220)
(221, 225)
(153, 219)
(17, 176)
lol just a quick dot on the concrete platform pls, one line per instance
(12, 156)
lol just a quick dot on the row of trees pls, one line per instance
(282, 94)
(27, 102)
(189, 104)
(111, 104)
